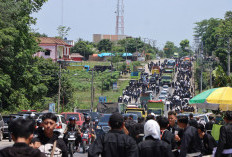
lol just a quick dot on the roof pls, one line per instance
(51, 41)
(76, 55)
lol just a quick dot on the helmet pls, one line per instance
(72, 118)
(87, 118)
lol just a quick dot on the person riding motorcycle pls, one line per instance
(89, 125)
(72, 126)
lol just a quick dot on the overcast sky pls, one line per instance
(160, 20)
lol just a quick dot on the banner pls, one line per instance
(115, 86)
(52, 107)
(102, 99)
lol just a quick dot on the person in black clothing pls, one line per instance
(208, 141)
(22, 134)
(139, 130)
(152, 144)
(48, 137)
(209, 125)
(191, 142)
(192, 122)
(224, 148)
(115, 143)
(166, 135)
(130, 124)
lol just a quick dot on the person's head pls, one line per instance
(182, 122)
(72, 120)
(125, 118)
(211, 118)
(152, 128)
(172, 118)
(22, 129)
(228, 116)
(131, 117)
(116, 121)
(190, 116)
(140, 119)
(150, 116)
(49, 123)
(87, 118)
(163, 122)
(201, 130)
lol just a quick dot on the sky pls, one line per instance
(160, 20)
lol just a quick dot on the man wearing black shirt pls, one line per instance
(191, 142)
(115, 143)
(22, 134)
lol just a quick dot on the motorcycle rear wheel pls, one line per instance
(84, 146)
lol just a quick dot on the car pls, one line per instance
(79, 117)
(1, 127)
(6, 120)
(165, 87)
(61, 124)
(152, 80)
(164, 93)
(103, 126)
(162, 97)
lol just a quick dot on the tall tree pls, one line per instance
(83, 48)
(169, 49)
(63, 31)
(17, 45)
(105, 45)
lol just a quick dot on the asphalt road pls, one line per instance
(5, 143)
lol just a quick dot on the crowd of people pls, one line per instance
(163, 137)
(182, 88)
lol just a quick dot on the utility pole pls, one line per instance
(228, 56)
(92, 92)
(59, 75)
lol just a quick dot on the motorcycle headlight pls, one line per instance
(98, 127)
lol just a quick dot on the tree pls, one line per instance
(63, 31)
(17, 45)
(169, 49)
(105, 45)
(83, 48)
(132, 44)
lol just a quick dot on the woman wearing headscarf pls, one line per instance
(152, 144)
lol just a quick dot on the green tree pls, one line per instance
(169, 49)
(105, 45)
(63, 31)
(17, 45)
(83, 48)
(132, 44)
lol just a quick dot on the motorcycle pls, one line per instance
(71, 142)
(86, 138)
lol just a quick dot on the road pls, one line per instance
(5, 143)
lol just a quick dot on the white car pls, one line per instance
(164, 93)
(165, 87)
(163, 98)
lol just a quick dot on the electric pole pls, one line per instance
(59, 75)
(92, 92)
(228, 56)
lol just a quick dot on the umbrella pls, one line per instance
(127, 54)
(214, 99)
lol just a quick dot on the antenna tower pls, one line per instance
(120, 18)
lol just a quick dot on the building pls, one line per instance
(114, 38)
(76, 57)
(54, 48)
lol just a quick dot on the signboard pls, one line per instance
(141, 59)
(102, 99)
(115, 86)
(52, 107)
(128, 62)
